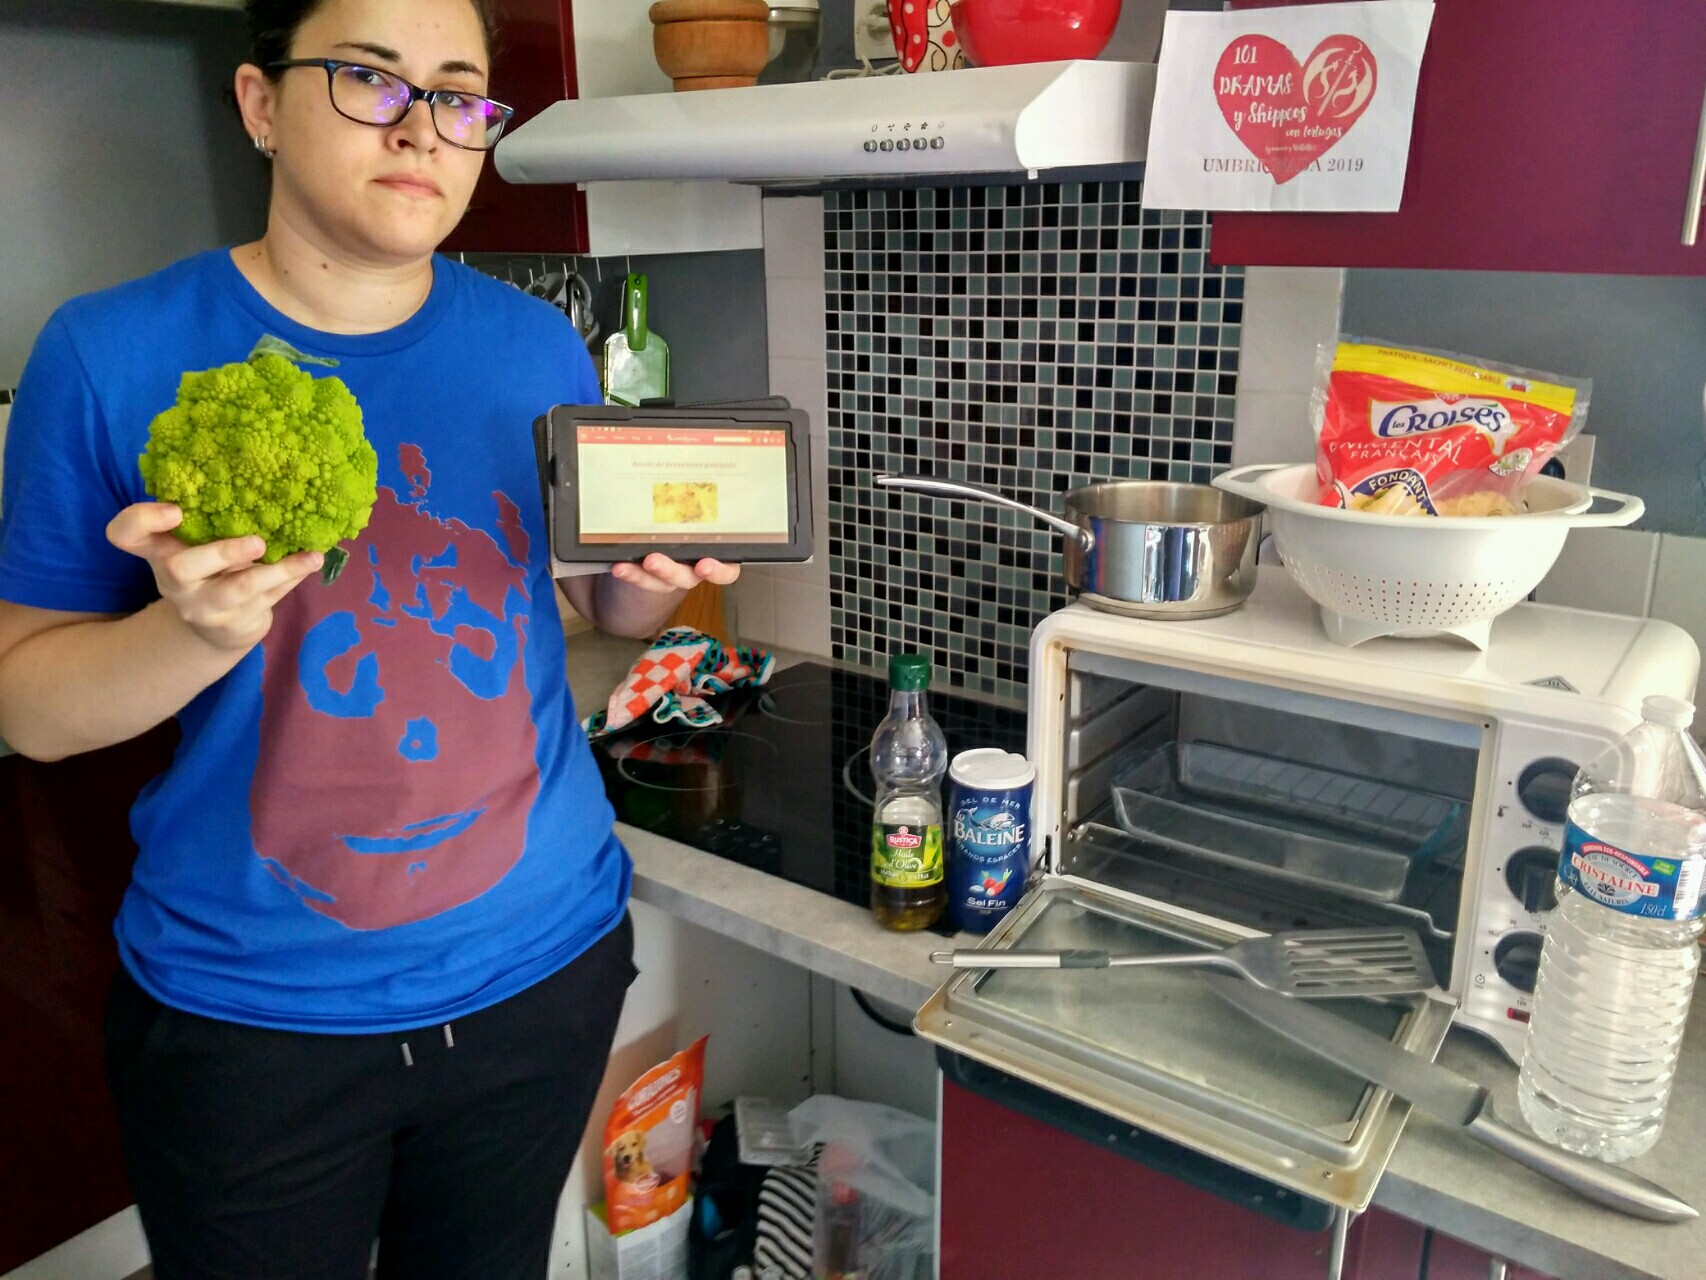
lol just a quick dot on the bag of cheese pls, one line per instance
(1409, 431)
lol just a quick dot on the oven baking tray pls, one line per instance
(1315, 826)
(1157, 1049)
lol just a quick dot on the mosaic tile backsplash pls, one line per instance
(1028, 339)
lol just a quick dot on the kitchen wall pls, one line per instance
(1643, 341)
(119, 155)
(709, 307)
(116, 158)
(1026, 338)
(788, 605)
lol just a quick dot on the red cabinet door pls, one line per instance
(1022, 1200)
(65, 860)
(1450, 1259)
(532, 67)
(1550, 135)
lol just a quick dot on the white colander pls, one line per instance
(1381, 575)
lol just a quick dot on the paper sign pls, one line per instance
(1297, 108)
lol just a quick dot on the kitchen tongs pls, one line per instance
(1314, 964)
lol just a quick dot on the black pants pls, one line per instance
(274, 1155)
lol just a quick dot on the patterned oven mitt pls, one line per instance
(674, 677)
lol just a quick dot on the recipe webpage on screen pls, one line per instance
(682, 484)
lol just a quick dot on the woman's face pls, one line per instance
(388, 194)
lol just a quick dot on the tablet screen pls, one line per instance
(682, 484)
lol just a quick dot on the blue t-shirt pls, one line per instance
(385, 816)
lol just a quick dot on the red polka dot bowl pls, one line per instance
(999, 33)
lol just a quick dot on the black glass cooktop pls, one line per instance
(784, 783)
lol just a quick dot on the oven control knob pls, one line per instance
(1544, 788)
(1532, 875)
(1517, 958)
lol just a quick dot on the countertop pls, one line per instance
(1437, 1176)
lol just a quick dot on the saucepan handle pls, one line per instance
(977, 493)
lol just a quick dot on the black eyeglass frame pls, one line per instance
(331, 66)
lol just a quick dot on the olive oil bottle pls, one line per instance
(909, 755)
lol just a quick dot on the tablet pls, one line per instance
(620, 483)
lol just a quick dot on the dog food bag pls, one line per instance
(648, 1141)
(1408, 431)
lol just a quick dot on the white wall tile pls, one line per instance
(1271, 426)
(1288, 312)
(802, 617)
(812, 574)
(793, 237)
(755, 605)
(796, 319)
(806, 384)
(1677, 588)
(1610, 570)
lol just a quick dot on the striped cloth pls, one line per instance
(787, 1205)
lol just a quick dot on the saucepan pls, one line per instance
(1142, 548)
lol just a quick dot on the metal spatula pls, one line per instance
(1314, 964)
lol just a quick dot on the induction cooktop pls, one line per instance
(784, 783)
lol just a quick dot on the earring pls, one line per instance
(261, 146)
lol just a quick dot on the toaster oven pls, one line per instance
(1198, 782)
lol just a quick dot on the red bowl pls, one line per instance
(999, 33)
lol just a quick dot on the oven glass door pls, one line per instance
(1157, 1049)
(1269, 808)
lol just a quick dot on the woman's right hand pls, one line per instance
(218, 589)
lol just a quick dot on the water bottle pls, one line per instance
(1618, 966)
(909, 755)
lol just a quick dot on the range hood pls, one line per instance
(1022, 119)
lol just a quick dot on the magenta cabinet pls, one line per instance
(1022, 1200)
(1450, 1259)
(65, 860)
(1550, 135)
(533, 67)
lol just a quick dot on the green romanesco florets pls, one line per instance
(262, 447)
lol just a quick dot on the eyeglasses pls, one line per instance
(367, 95)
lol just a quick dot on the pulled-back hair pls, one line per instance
(273, 25)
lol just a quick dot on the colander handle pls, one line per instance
(1241, 480)
(1629, 509)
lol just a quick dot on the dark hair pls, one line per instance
(273, 25)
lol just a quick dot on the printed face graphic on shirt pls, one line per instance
(397, 766)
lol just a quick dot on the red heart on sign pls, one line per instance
(1289, 115)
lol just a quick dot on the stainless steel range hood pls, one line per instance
(1021, 119)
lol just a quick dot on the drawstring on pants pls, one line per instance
(449, 1043)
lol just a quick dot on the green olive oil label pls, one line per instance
(905, 856)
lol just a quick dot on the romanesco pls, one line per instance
(262, 447)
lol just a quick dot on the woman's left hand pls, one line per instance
(657, 572)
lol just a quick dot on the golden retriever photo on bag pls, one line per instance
(627, 1156)
(649, 1142)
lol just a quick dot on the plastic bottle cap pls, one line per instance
(1672, 713)
(991, 768)
(909, 672)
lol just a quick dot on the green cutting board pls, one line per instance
(636, 358)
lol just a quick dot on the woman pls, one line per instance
(375, 945)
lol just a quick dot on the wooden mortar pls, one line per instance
(711, 44)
